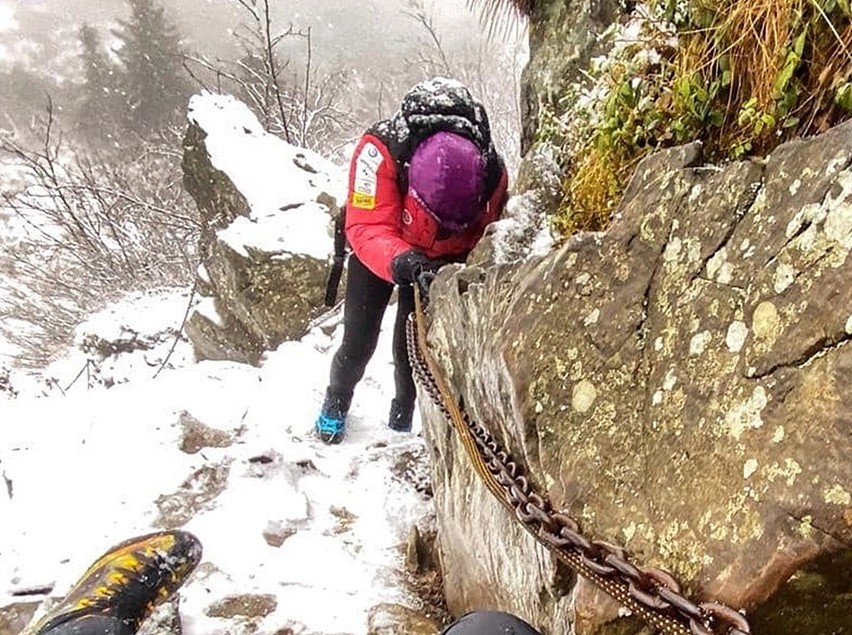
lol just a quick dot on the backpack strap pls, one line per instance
(340, 253)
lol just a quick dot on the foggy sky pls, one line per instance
(373, 42)
(340, 28)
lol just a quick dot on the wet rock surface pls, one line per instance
(678, 384)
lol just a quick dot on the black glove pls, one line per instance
(413, 267)
(424, 281)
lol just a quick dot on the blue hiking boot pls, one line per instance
(330, 429)
(331, 423)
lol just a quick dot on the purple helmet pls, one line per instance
(446, 174)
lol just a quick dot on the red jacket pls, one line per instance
(382, 222)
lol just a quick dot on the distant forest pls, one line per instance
(318, 86)
(92, 118)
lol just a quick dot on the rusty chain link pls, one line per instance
(653, 594)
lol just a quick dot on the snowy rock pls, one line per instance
(727, 465)
(290, 511)
(196, 436)
(277, 532)
(142, 329)
(391, 619)
(14, 617)
(268, 210)
(194, 495)
(245, 606)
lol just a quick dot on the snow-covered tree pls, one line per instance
(155, 89)
(293, 96)
(100, 106)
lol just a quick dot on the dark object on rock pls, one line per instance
(488, 623)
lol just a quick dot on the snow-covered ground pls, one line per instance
(87, 469)
(96, 449)
(85, 466)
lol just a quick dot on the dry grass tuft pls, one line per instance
(764, 48)
(499, 16)
(755, 33)
(590, 194)
(743, 77)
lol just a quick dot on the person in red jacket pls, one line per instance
(423, 186)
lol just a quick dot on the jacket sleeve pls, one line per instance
(374, 207)
(496, 203)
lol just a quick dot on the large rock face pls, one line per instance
(266, 242)
(680, 385)
(563, 35)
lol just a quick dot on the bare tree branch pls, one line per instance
(303, 106)
(418, 14)
(273, 72)
(91, 227)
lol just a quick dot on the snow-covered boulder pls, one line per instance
(267, 208)
(138, 334)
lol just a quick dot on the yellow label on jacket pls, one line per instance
(363, 201)
(366, 177)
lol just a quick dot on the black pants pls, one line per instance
(367, 297)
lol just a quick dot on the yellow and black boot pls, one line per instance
(123, 586)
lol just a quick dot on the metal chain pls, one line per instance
(651, 593)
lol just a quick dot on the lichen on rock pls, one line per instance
(700, 419)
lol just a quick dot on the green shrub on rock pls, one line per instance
(741, 76)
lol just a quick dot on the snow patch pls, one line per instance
(206, 308)
(280, 182)
(523, 232)
(99, 459)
